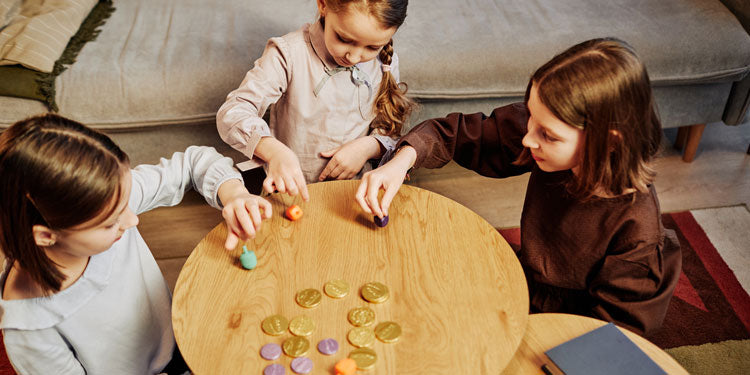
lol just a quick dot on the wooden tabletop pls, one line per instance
(545, 331)
(456, 288)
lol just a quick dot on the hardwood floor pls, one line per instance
(719, 176)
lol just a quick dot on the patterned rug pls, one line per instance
(707, 327)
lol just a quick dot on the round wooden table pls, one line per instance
(545, 331)
(456, 288)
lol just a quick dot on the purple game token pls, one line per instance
(328, 346)
(274, 369)
(302, 365)
(270, 351)
(381, 222)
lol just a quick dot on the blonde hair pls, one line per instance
(391, 106)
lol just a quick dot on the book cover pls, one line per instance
(605, 350)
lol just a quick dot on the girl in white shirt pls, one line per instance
(337, 99)
(81, 291)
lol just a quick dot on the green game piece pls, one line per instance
(248, 259)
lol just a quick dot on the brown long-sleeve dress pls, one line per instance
(610, 258)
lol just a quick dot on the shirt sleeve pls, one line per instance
(486, 145)
(635, 284)
(40, 352)
(165, 184)
(239, 120)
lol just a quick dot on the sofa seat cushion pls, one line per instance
(491, 48)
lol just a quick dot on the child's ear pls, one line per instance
(43, 236)
(322, 8)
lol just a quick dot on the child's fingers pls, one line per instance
(326, 171)
(245, 221)
(268, 185)
(360, 195)
(291, 185)
(266, 206)
(231, 219)
(302, 187)
(254, 211)
(329, 153)
(390, 192)
(232, 241)
(372, 198)
(280, 185)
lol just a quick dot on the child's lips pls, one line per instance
(536, 158)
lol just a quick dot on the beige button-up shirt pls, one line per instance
(316, 108)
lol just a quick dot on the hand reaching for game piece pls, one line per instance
(348, 159)
(242, 212)
(389, 177)
(284, 173)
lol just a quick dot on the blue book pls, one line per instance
(605, 350)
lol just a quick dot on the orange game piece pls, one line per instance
(293, 213)
(346, 366)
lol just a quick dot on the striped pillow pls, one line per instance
(37, 36)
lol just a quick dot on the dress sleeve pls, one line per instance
(635, 284)
(165, 184)
(40, 352)
(239, 120)
(486, 145)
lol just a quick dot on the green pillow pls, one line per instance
(22, 82)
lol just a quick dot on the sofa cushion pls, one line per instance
(491, 48)
(160, 62)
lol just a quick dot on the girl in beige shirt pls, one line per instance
(337, 100)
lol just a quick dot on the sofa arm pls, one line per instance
(739, 97)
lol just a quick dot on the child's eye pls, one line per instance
(373, 48)
(342, 39)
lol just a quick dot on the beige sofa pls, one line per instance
(160, 69)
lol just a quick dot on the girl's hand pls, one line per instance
(348, 159)
(389, 177)
(242, 212)
(284, 172)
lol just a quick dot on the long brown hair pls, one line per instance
(392, 107)
(602, 87)
(57, 173)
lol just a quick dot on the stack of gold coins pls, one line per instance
(274, 325)
(375, 292)
(308, 298)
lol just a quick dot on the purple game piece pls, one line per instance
(328, 346)
(270, 351)
(381, 222)
(274, 369)
(302, 365)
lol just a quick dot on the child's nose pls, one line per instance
(353, 57)
(131, 219)
(528, 141)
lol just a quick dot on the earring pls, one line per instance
(50, 243)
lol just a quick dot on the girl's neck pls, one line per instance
(71, 266)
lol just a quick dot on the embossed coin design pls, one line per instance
(361, 316)
(274, 325)
(388, 331)
(302, 326)
(270, 351)
(309, 298)
(336, 288)
(361, 336)
(375, 292)
(295, 346)
(328, 346)
(365, 358)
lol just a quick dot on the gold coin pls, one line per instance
(295, 346)
(274, 325)
(364, 357)
(388, 331)
(302, 326)
(361, 316)
(361, 336)
(336, 288)
(309, 298)
(375, 292)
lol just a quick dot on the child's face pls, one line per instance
(353, 36)
(99, 233)
(554, 145)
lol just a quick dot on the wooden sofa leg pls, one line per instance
(691, 143)
(679, 142)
